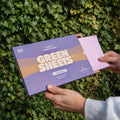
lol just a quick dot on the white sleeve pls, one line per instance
(103, 110)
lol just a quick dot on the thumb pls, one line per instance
(107, 59)
(55, 90)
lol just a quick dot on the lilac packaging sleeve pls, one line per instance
(57, 61)
(93, 51)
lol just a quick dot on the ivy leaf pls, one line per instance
(3, 53)
(117, 47)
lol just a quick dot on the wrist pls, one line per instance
(83, 113)
(82, 106)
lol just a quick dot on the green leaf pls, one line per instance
(117, 47)
(3, 53)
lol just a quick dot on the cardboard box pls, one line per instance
(58, 61)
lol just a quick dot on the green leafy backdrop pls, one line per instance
(27, 21)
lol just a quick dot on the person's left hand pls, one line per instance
(65, 100)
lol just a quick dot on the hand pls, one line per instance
(65, 100)
(113, 59)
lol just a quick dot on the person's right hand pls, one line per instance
(66, 100)
(113, 59)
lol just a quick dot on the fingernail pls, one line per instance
(50, 87)
(101, 58)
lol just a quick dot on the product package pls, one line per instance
(58, 61)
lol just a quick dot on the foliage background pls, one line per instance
(27, 21)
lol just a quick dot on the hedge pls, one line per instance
(28, 21)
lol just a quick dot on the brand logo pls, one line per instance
(20, 50)
(54, 60)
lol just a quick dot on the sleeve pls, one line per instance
(103, 110)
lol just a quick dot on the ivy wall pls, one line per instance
(28, 21)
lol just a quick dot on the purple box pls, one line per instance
(57, 61)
